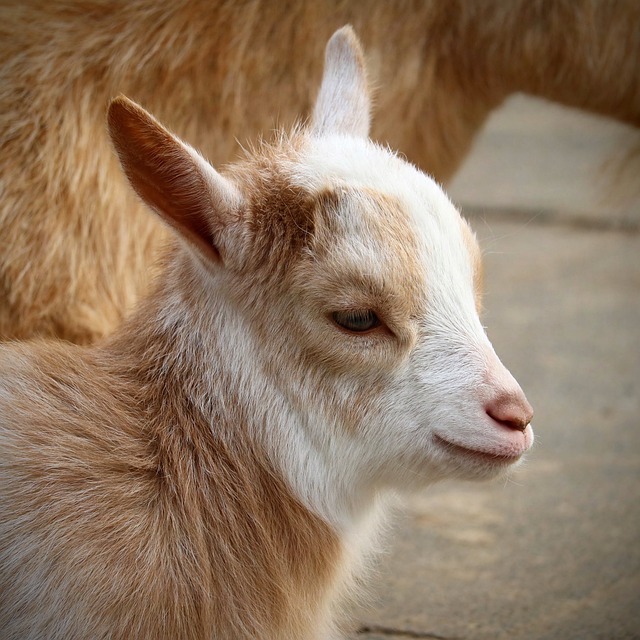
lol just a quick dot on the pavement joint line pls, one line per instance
(551, 218)
(404, 633)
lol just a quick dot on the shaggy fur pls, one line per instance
(215, 469)
(75, 248)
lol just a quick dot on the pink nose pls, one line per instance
(503, 399)
(511, 409)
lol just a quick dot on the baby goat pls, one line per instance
(215, 468)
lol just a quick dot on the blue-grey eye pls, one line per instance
(358, 320)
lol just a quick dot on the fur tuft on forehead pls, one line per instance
(280, 209)
(297, 200)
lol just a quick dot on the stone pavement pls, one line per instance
(554, 552)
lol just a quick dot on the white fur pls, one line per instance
(441, 385)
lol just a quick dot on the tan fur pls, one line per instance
(75, 246)
(155, 521)
(155, 526)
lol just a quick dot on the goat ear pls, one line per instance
(172, 178)
(343, 103)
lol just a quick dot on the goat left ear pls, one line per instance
(174, 180)
(343, 103)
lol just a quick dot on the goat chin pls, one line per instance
(215, 468)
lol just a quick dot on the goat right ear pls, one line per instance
(172, 178)
(343, 104)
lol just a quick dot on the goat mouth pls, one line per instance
(476, 455)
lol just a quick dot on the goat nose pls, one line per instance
(510, 409)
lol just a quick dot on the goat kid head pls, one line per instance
(352, 282)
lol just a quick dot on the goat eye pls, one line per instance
(357, 321)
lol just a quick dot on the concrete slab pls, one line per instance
(543, 158)
(554, 552)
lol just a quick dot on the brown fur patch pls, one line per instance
(391, 278)
(279, 216)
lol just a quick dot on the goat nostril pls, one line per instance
(514, 416)
(513, 423)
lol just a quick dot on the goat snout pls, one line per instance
(505, 401)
